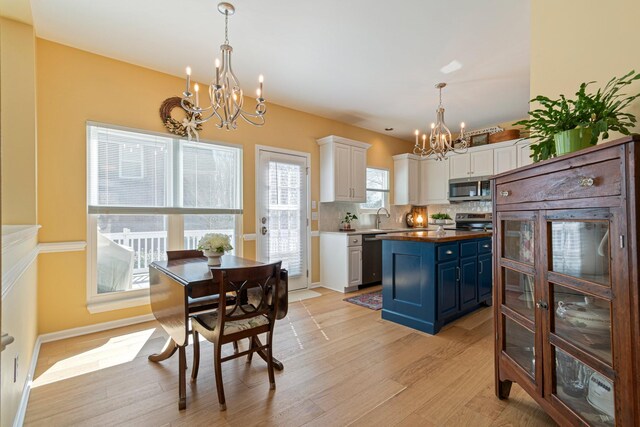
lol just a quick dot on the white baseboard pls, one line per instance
(98, 327)
(18, 421)
(315, 285)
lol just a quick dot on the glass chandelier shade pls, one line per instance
(226, 98)
(440, 139)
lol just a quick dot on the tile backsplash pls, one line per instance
(330, 214)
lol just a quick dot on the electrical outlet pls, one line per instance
(314, 216)
(313, 204)
(15, 369)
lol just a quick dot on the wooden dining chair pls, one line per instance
(252, 312)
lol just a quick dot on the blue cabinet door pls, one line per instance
(447, 289)
(468, 282)
(485, 277)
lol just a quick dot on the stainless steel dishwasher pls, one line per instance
(371, 259)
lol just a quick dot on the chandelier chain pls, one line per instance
(226, 27)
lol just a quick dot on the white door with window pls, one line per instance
(282, 200)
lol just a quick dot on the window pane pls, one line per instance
(211, 176)
(196, 226)
(377, 179)
(518, 292)
(518, 240)
(519, 344)
(375, 200)
(128, 168)
(126, 245)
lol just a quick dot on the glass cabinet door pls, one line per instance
(518, 240)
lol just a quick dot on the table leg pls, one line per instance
(182, 381)
(262, 353)
(169, 349)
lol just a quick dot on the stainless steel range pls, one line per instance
(473, 221)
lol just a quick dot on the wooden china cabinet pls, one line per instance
(566, 284)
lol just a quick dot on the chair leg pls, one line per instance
(196, 356)
(217, 365)
(251, 345)
(235, 347)
(272, 379)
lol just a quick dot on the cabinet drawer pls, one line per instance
(468, 249)
(484, 246)
(447, 252)
(354, 240)
(594, 180)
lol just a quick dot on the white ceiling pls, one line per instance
(369, 63)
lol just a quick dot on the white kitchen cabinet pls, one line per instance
(340, 261)
(406, 179)
(434, 183)
(524, 153)
(471, 164)
(505, 159)
(355, 266)
(343, 169)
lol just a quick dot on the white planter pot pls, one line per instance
(213, 258)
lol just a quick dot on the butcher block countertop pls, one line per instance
(435, 237)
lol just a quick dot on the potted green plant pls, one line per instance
(563, 125)
(440, 218)
(346, 222)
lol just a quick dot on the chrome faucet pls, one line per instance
(378, 216)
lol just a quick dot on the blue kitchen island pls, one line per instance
(430, 279)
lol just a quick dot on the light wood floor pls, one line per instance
(343, 366)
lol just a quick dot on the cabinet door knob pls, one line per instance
(458, 273)
(542, 304)
(586, 181)
(505, 193)
(449, 252)
(481, 263)
(486, 245)
(355, 240)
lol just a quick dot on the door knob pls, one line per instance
(263, 230)
(5, 340)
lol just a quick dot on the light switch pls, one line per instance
(313, 204)
(314, 216)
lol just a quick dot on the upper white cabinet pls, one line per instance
(434, 185)
(524, 153)
(505, 159)
(471, 164)
(343, 169)
(406, 179)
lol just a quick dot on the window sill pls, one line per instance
(99, 305)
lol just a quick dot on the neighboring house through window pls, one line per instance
(148, 193)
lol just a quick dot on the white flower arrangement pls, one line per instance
(215, 242)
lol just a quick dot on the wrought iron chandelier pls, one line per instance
(440, 141)
(225, 95)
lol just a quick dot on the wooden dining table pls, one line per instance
(175, 284)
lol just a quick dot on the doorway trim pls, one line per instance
(256, 161)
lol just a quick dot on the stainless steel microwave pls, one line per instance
(470, 189)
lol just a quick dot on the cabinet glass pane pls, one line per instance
(518, 292)
(518, 344)
(584, 321)
(518, 241)
(584, 390)
(581, 249)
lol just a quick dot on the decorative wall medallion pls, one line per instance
(187, 127)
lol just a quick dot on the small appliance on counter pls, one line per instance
(473, 222)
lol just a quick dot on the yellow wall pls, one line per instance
(75, 86)
(18, 118)
(575, 41)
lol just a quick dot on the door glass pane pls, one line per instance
(519, 345)
(584, 390)
(126, 245)
(518, 240)
(518, 292)
(196, 226)
(583, 320)
(581, 249)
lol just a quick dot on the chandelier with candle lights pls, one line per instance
(225, 95)
(440, 140)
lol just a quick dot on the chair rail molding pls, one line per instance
(52, 247)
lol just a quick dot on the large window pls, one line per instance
(377, 189)
(148, 193)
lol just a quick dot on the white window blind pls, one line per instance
(132, 172)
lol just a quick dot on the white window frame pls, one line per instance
(98, 303)
(386, 195)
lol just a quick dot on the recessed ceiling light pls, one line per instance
(451, 67)
(388, 129)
